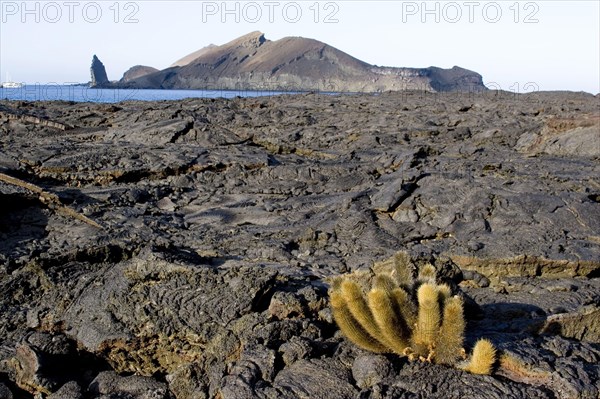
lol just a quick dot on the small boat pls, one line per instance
(11, 85)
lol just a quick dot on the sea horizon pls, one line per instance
(83, 93)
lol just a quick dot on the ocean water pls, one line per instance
(86, 94)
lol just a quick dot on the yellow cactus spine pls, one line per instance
(402, 271)
(483, 358)
(445, 291)
(350, 327)
(428, 320)
(418, 318)
(449, 347)
(392, 328)
(359, 309)
(427, 274)
(384, 282)
(406, 307)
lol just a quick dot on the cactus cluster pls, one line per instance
(420, 318)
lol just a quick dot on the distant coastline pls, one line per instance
(81, 92)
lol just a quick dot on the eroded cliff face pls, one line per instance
(183, 249)
(252, 62)
(136, 72)
(98, 73)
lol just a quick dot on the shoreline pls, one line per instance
(82, 94)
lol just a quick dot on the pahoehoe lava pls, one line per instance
(220, 221)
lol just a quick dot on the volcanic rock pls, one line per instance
(192, 56)
(98, 73)
(218, 225)
(137, 72)
(252, 62)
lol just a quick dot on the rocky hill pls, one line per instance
(252, 62)
(192, 56)
(136, 72)
(98, 73)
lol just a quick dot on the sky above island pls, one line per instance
(518, 46)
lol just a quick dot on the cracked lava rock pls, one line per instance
(194, 258)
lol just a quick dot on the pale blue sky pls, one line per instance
(551, 45)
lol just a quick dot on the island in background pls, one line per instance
(251, 62)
